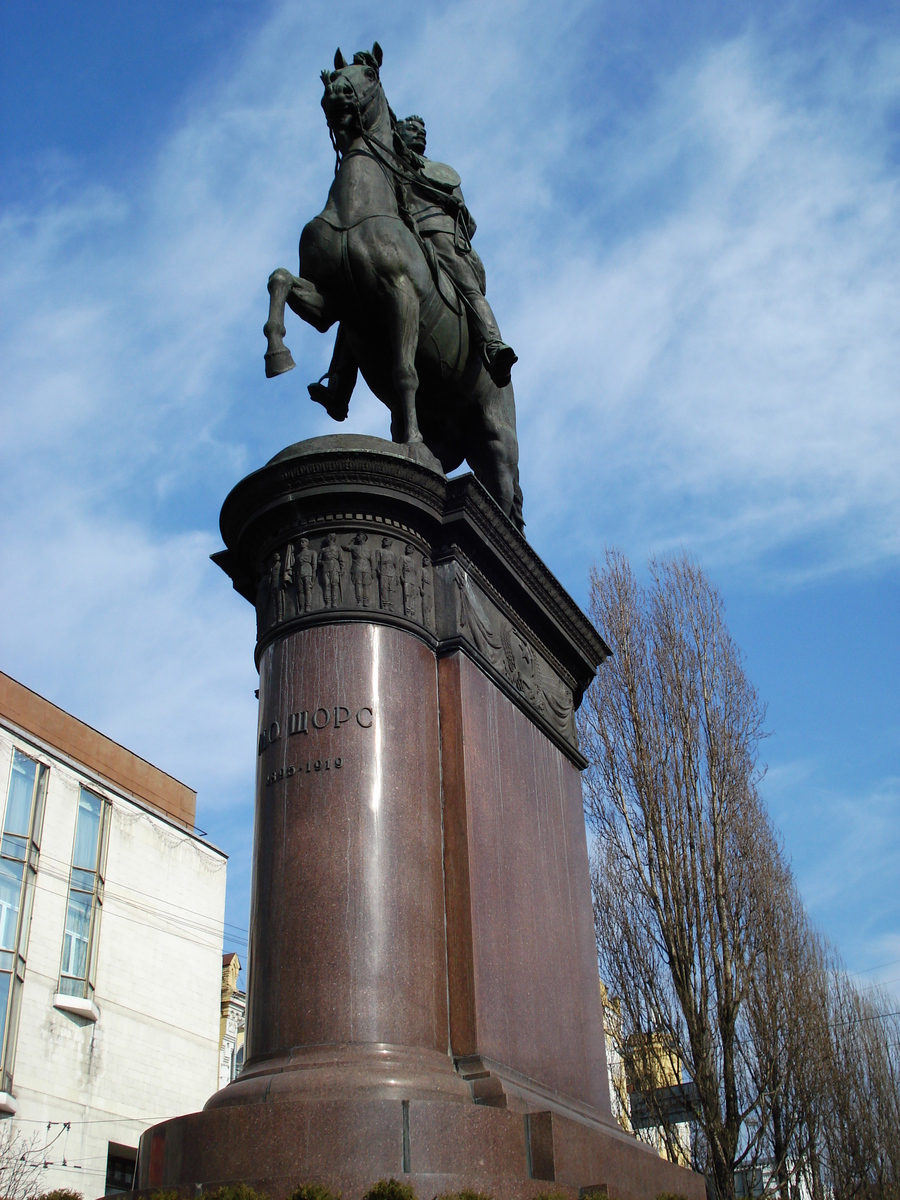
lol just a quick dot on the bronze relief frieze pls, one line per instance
(380, 572)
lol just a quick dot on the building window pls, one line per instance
(19, 850)
(79, 954)
(120, 1163)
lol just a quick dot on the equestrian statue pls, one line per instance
(390, 258)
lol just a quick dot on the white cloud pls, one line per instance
(735, 360)
(845, 847)
(141, 638)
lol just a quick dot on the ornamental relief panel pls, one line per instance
(512, 655)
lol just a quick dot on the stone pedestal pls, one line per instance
(423, 998)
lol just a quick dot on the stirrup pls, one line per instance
(335, 408)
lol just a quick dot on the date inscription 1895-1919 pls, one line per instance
(307, 768)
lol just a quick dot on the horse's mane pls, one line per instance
(362, 58)
(365, 58)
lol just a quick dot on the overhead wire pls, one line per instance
(112, 888)
(878, 967)
(177, 924)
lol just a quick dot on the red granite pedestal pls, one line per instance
(423, 999)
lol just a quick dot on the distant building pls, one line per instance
(231, 1023)
(111, 919)
(648, 1059)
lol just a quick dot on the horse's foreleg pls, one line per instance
(307, 301)
(278, 357)
(311, 305)
(403, 321)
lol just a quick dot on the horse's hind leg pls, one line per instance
(403, 322)
(493, 448)
(278, 357)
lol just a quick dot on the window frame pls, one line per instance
(88, 980)
(9, 1027)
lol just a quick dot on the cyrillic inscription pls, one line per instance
(317, 719)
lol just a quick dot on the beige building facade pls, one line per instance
(111, 920)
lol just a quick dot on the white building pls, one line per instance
(111, 919)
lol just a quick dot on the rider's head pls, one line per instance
(412, 131)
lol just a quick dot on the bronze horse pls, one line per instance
(363, 264)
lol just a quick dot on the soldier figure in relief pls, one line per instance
(276, 589)
(332, 572)
(362, 569)
(427, 590)
(411, 582)
(386, 567)
(305, 561)
(287, 576)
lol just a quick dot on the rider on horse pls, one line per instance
(444, 227)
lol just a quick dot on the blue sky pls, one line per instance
(690, 217)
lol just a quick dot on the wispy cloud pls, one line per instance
(845, 848)
(734, 360)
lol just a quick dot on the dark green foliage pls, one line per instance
(390, 1189)
(550, 1196)
(313, 1191)
(233, 1191)
(465, 1194)
(166, 1194)
(61, 1194)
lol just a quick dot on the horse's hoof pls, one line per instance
(420, 453)
(279, 361)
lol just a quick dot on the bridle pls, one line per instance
(393, 163)
(361, 106)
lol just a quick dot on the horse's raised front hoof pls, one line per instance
(279, 361)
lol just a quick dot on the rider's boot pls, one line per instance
(341, 376)
(498, 357)
(336, 406)
(499, 360)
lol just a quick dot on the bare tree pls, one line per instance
(685, 848)
(860, 1127)
(716, 970)
(20, 1167)
(785, 1050)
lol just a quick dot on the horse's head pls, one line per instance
(353, 100)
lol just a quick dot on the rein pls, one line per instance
(394, 164)
(389, 160)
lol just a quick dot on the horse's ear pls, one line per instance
(377, 53)
(339, 60)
